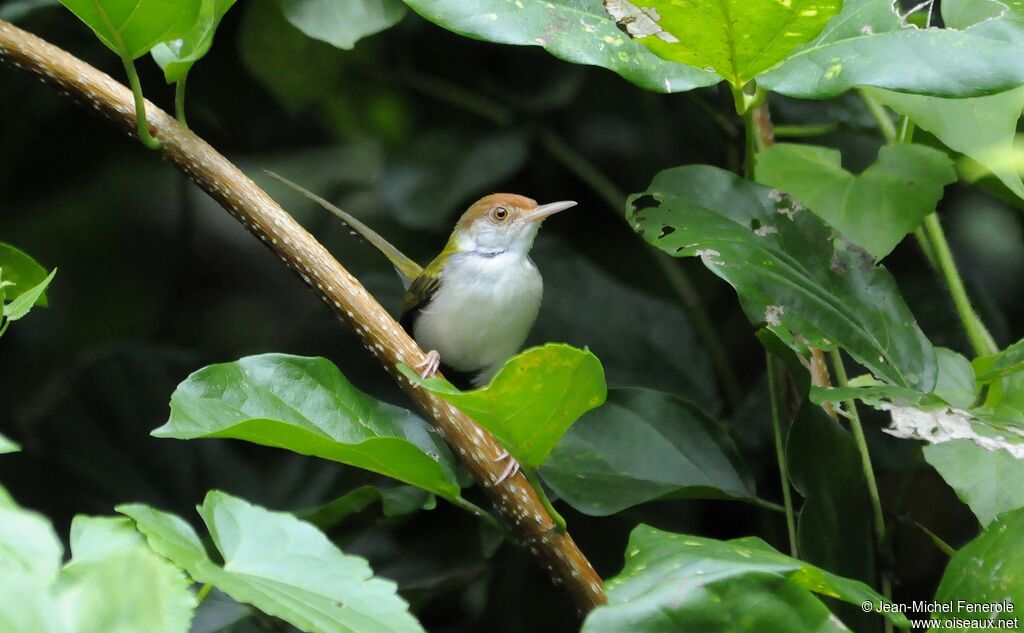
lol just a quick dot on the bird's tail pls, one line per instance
(407, 268)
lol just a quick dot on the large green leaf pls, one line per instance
(533, 400)
(987, 481)
(644, 445)
(790, 272)
(675, 582)
(342, 23)
(983, 128)
(131, 28)
(737, 39)
(987, 571)
(281, 565)
(306, 405)
(110, 558)
(177, 57)
(7, 446)
(875, 209)
(868, 44)
(29, 548)
(577, 31)
(21, 270)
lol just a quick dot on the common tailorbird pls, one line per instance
(473, 306)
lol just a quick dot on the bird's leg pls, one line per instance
(510, 470)
(430, 364)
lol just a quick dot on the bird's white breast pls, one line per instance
(482, 312)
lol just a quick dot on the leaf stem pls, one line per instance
(531, 476)
(472, 508)
(774, 390)
(878, 111)
(869, 476)
(179, 101)
(141, 122)
(202, 593)
(805, 131)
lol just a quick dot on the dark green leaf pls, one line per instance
(281, 565)
(18, 268)
(675, 582)
(868, 44)
(577, 31)
(21, 304)
(177, 57)
(306, 405)
(987, 571)
(342, 23)
(789, 271)
(644, 445)
(533, 400)
(131, 28)
(987, 481)
(394, 501)
(737, 39)
(876, 209)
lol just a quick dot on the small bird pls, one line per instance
(473, 306)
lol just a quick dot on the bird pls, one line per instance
(473, 305)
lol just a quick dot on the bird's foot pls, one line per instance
(430, 364)
(510, 470)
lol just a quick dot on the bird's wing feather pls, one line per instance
(407, 269)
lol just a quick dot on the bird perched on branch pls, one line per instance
(473, 306)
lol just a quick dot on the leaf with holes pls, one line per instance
(788, 269)
(533, 400)
(177, 57)
(306, 405)
(131, 28)
(737, 39)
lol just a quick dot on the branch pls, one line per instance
(514, 498)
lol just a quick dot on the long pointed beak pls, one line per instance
(546, 210)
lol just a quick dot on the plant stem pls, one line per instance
(203, 592)
(878, 111)
(943, 546)
(981, 339)
(538, 487)
(774, 387)
(179, 101)
(141, 122)
(869, 476)
(804, 131)
(472, 508)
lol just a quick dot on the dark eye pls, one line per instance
(499, 213)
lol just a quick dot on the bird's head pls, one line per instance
(503, 222)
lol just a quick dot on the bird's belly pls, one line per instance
(478, 319)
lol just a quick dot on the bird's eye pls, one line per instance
(499, 214)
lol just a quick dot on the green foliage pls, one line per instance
(578, 31)
(342, 23)
(7, 446)
(987, 481)
(875, 209)
(23, 284)
(279, 564)
(306, 405)
(176, 57)
(791, 275)
(735, 38)
(131, 28)
(987, 571)
(533, 399)
(674, 581)
(644, 445)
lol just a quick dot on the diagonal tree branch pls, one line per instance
(514, 498)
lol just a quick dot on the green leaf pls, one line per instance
(989, 482)
(675, 582)
(342, 23)
(789, 271)
(131, 28)
(868, 44)
(875, 209)
(177, 57)
(644, 445)
(533, 400)
(737, 39)
(7, 446)
(986, 571)
(394, 501)
(281, 565)
(577, 31)
(982, 128)
(18, 268)
(306, 405)
(21, 304)
(29, 548)
(110, 558)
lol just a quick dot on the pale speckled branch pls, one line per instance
(516, 501)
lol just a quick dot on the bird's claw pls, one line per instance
(430, 364)
(510, 470)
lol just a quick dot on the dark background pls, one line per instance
(155, 281)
